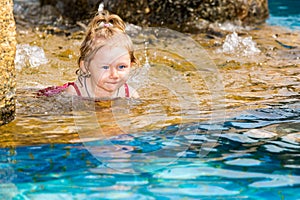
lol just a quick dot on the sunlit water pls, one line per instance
(228, 127)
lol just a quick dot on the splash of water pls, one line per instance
(144, 69)
(234, 44)
(29, 56)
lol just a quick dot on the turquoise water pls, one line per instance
(246, 161)
(252, 155)
(285, 13)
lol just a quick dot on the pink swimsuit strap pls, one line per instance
(75, 87)
(126, 90)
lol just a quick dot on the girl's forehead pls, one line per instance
(113, 49)
(110, 54)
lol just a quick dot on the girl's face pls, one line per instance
(109, 70)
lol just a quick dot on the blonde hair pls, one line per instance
(104, 29)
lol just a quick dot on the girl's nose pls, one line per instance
(113, 73)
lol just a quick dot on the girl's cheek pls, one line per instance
(126, 76)
(101, 75)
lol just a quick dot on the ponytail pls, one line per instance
(105, 24)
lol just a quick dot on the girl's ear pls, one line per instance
(82, 67)
(132, 64)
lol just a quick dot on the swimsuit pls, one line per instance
(49, 91)
(58, 89)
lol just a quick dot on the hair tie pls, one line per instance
(102, 25)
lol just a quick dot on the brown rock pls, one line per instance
(182, 15)
(7, 68)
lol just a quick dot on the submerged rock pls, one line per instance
(182, 15)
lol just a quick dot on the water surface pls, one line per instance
(229, 128)
(284, 13)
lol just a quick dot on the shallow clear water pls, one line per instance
(229, 128)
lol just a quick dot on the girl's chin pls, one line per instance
(112, 87)
(110, 90)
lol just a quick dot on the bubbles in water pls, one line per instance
(234, 44)
(29, 56)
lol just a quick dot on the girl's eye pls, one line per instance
(105, 67)
(122, 67)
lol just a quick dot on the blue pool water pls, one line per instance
(284, 13)
(255, 157)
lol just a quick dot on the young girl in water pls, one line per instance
(106, 58)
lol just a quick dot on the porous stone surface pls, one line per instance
(185, 15)
(7, 67)
(182, 15)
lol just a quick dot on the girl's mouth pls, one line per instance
(112, 82)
